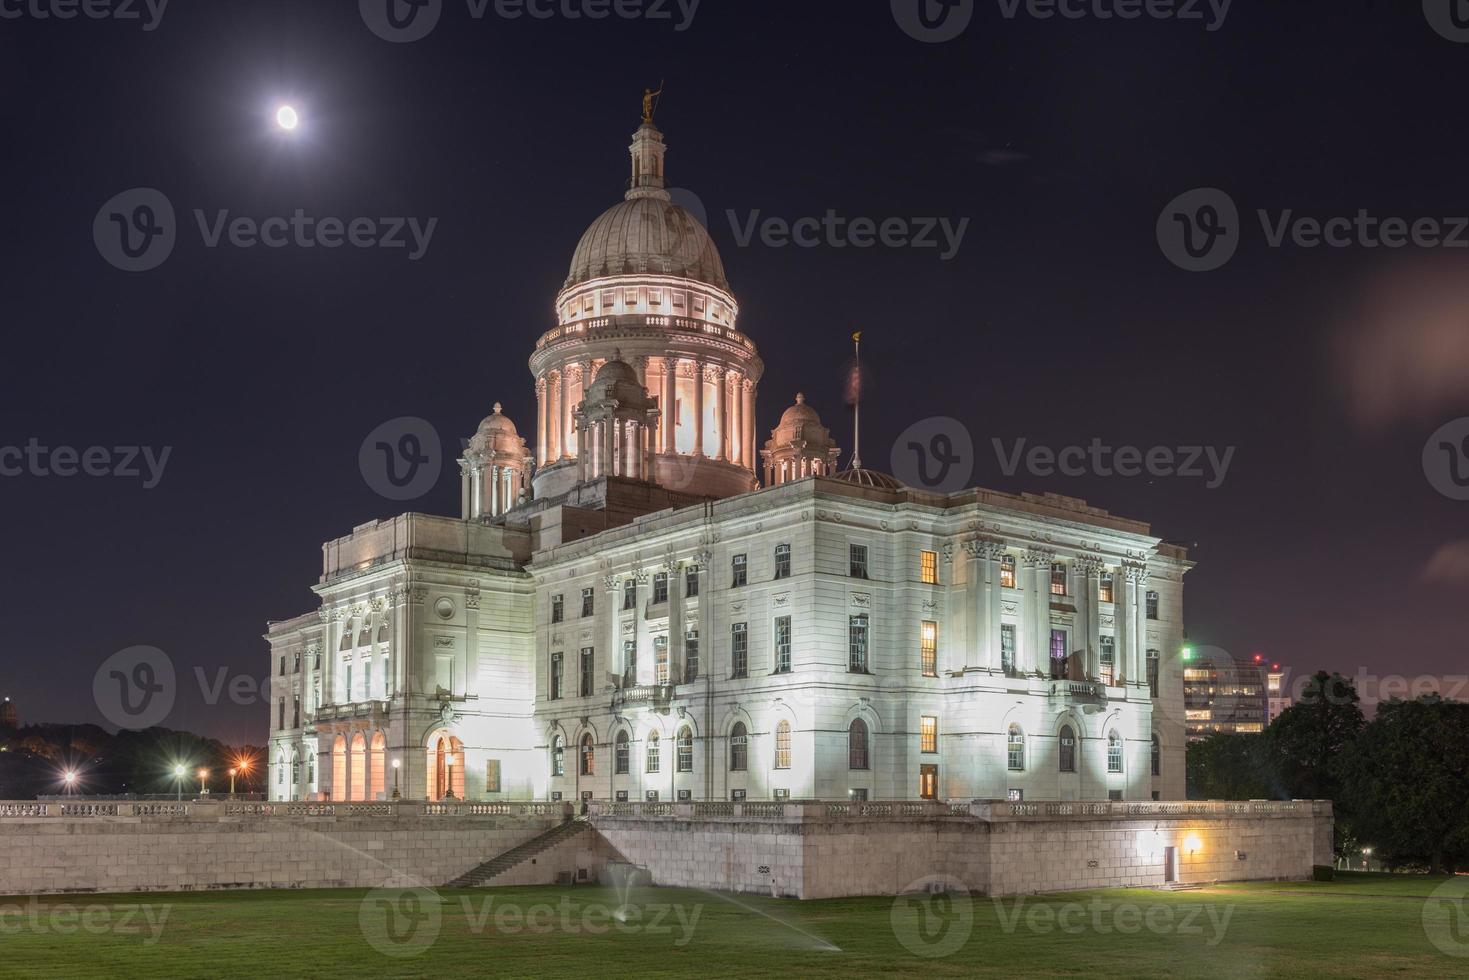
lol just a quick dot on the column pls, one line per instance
(721, 412)
(563, 432)
(976, 608)
(608, 443)
(675, 628)
(640, 630)
(670, 404)
(1139, 576)
(575, 390)
(1036, 647)
(1088, 619)
(748, 415)
(553, 420)
(496, 500)
(737, 421)
(613, 623)
(541, 448)
(587, 445)
(698, 408)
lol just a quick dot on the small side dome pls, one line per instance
(869, 478)
(497, 434)
(617, 381)
(799, 413)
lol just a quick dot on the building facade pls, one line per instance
(626, 613)
(1221, 695)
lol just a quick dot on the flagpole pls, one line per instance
(857, 402)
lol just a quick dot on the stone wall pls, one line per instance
(128, 847)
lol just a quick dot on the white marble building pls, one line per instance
(625, 612)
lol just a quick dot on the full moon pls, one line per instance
(286, 117)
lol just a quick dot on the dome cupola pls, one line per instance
(495, 473)
(799, 447)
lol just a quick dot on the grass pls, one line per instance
(1357, 926)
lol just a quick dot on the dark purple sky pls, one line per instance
(1058, 321)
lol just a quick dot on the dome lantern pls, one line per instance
(800, 446)
(495, 472)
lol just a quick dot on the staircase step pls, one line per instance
(498, 865)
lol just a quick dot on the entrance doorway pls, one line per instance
(1170, 864)
(928, 782)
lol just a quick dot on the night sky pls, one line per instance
(1060, 319)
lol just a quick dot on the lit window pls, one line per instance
(1007, 572)
(685, 750)
(928, 648)
(783, 745)
(783, 645)
(782, 561)
(1007, 648)
(857, 745)
(857, 561)
(928, 733)
(1015, 748)
(1114, 752)
(558, 756)
(620, 753)
(629, 663)
(1058, 655)
(1109, 659)
(1058, 579)
(660, 587)
(928, 567)
(739, 649)
(588, 756)
(1104, 589)
(738, 568)
(1068, 749)
(738, 748)
(558, 608)
(651, 751)
(660, 659)
(857, 644)
(691, 656)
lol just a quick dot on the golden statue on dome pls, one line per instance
(650, 103)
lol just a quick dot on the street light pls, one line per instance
(70, 777)
(1366, 859)
(178, 778)
(397, 766)
(203, 775)
(232, 784)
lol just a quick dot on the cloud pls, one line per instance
(1449, 564)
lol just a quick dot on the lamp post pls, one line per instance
(232, 784)
(203, 775)
(449, 791)
(1366, 859)
(397, 768)
(70, 777)
(178, 778)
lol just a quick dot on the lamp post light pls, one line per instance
(203, 775)
(178, 779)
(70, 777)
(397, 769)
(232, 784)
(1366, 859)
(449, 761)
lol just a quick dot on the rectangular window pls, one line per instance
(739, 750)
(685, 753)
(928, 648)
(588, 602)
(739, 649)
(587, 677)
(630, 594)
(691, 656)
(629, 663)
(737, 571)
(621, 753)
(1153, 673)
(660, 659)
(857, 643)
(783, 645)
(1152, 605)
(857, 561)
(1058, 578)
(557, 674)
(660, 588)
(782, 561)
(296, 666)
(928, 782)
(928, 733)
(492, 775)
(928, 567)
(1114, 753)
(691, 581)
(558, 608)
(1058, 655)
(281, 715)
(650, 752)
(1007, 572)
(283, 665)
(1104, 590)
(296, 713)
(1007, 648)
(1109, 659)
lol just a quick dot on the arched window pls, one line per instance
(1157, 757)
(652, 752)
(1015, 748)
(857, 745)
(558, 756)
(783, 745)
(1068, 749)
(1114, 752)
(588, 756)
(620, 753)
(738, 748)
(685, 750)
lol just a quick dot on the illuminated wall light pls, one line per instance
(1192, 844)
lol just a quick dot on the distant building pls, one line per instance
(1277, 695)
(9, 717)
(1222, 695)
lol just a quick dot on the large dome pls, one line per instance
(647, 235)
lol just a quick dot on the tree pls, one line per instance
(1224, 766)
(1309, 736)
(1407, 782)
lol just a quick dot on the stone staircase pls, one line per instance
(482, 875)
(1178, 886)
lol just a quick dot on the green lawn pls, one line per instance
(1357, 926)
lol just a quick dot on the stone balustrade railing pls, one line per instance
(225, 810)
